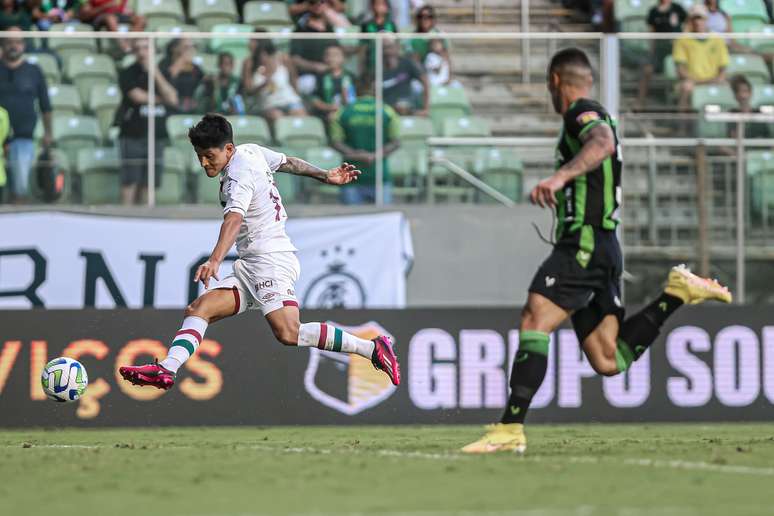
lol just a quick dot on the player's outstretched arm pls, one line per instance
(598, 145)
(341, 175)
(228, 233)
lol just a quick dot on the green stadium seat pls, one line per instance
(763, 95)
(471, 126)
(764, 45)
(250, 129)
(760, 174)
(239, 48)
(325, 158)
(445, 183)
(65, 99)
(68, 46)
(208, 63)
(501, 169)
(207, 188)
(447, 102)
(160, 12)
(208, 13)
(751, 66)
(104, 100)
(356, 9)
(348, 42)
(173, 178)
(414, 131)
(271, 16)
(73, 133)
(716, 95)
(626, 10)
(670, 69)
(84, 71)
(179, 29)
(747, 25)
(408, 170)
(300, 132)
(98, 169)
(745, 9)
(177, 130)
(48, 66)
(687, 4)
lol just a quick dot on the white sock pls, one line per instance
(185, 343)
(328, 337)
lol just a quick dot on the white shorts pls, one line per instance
(266, 282)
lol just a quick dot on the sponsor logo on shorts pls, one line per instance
(264, 284)
(268, 297)
(291, 292)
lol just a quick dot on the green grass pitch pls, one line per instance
(569, 470)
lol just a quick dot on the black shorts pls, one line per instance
(134, 161)
(583, 276)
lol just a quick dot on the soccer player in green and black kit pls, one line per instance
(581, 277)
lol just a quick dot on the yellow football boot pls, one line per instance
(500, 437)
(693, 289)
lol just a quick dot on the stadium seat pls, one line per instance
(208, 63)
(447, 102)
(356, 9)
(751, 66)
(414, 131)
(180, 29)
(208, 13)
(268, 15)
(104, 100)
(466, 127)
(73, 133)
(98, 170)
(444, 183)
(325, 158)
(670, 69)
(160, 12)
(250, 129)
(48, 66)
(502, 170)
(300, 132)
(173, 177)
(65, 99)
(238, 47)
(763, 95)
(348, 42)
(760, 174)
(716, 95)
(177, 130)
(764, 45)
(84, 71)
(745, 10)
(408, 170)
(68, 46)
(627, 10)
(207, 188)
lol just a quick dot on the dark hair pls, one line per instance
(212, 131)
(569, 57)
(225, 55)
(424, 9)
(739, 80)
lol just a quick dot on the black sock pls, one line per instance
(641, 330)
(529, 369)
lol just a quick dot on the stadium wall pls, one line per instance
(711, 364)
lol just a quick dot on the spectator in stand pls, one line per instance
(270, 76)
(380, 19)
(666, 17)
(220, 93)
(307, 54)
(719, 21)
(699, 60)
(425, 24)
(22, 85)
(47, 12)
(401, 12)
(399, 72)
(132, 119)
(15, 14)
(109, 14)
(182, 73)
(335, 88)
(743, 95)
(5, 131)
(333, 10)
(438, 65)
(353, 133)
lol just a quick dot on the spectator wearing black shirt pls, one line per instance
(333, 10)
(399, 74)
(743, 94)
(182, 73)
(307, 54)
(22, 85)
(132, 119)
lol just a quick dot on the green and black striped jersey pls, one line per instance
(593, 198)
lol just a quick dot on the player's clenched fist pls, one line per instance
(207, 270)
(544, 193)
(343, 174)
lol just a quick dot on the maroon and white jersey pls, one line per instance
(247, 187)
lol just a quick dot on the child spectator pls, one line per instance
(47, 12)
(182, 73)
(336, 88)
(270, 77)
(438, 65)
(220, 93)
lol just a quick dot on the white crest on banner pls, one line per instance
(364, 386)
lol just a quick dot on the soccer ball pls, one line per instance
(64, 380)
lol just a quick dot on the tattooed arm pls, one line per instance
(341, 175)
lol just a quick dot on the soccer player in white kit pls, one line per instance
(265, 274)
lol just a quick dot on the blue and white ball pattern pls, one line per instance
(64, 380)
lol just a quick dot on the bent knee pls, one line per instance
(287, 336)
(195, 309)
(605, 368)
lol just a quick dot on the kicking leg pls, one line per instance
(208, 308)
(539, 318)
(287, 328)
